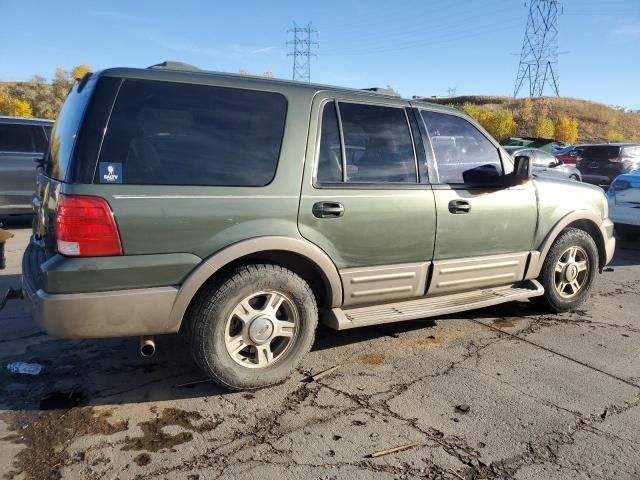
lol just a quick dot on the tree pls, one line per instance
(526, 115)
(14, 107)
(566, 130)
(544, 128)
(79, 71)
(501, 125)
(615, 136)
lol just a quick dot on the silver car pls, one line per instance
(23, 142)
(546, 164)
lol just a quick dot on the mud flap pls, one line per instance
(11, 294)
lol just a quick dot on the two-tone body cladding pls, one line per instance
(241, 211)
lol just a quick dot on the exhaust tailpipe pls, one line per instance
(147, 346)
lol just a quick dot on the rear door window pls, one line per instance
(21, 138)
(463, 154)
(377, 144)
(163, 133)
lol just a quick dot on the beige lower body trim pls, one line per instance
(389, 282)
(121, 313)
(477, 272)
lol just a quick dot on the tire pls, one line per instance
(236, 310)
(556, 298)
(627, 232)
(574, 177)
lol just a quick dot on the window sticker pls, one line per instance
(110, 172)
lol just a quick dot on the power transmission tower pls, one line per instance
(539, 56)
(302, 44)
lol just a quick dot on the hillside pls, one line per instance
(596, 122)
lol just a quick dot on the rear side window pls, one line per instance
(65, 131)
(22, 138)
(377, 143)
(330, 158)
(463, 154)
(163, 133)
(631, 151)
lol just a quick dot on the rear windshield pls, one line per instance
(163, 133)
(603, 152)
(65, 130)
(16, 137)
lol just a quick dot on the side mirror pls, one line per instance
(552, 164)
(522, 167)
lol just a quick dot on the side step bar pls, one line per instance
(343, 319)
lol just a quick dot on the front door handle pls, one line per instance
(459, 206)
(328, 210)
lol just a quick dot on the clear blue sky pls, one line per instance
(419, 47)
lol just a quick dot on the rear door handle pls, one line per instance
(459, 206)
(328, 210)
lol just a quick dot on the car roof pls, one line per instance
(188, 74)
(25, 121)
(617, 144)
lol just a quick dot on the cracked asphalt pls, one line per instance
(503, 392)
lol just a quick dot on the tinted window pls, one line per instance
(330, 157)
(22, 138)
(463, 154)
(600, 152)
(65, 130)
(163, 133)
(377, 144)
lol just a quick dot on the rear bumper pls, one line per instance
(116, 313)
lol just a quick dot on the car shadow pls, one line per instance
(16, 221)
(627, 253)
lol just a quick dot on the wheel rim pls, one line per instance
(261, 329)
(571, 272)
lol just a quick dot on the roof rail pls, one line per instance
(383, 91)
(171, 65)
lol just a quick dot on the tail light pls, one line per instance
(616, 159)
(86, 227)
(619, 185)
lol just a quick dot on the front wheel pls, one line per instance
(568, 271)
(574, 177)
(253, 326)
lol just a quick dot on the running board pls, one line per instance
(343, 319)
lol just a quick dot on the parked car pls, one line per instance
(600, 164)
(569, 154)
(546, 144)
(23, 142)
(624, 204)
(546, 164)
(241, 211)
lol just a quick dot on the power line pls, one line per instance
(302, 44)
(539, 55)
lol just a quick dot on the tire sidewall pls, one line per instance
(244, 283)
(571, 237)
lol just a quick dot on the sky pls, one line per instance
(426, 47)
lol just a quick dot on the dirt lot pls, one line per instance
(504, 392)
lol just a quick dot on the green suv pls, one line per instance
(241, 211)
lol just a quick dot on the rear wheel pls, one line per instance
(253, 326)
(569, 270)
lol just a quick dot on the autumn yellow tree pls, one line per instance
(566, 130)
(14, 107)
(544, 128)
(614, 136)
(79, 71)
(500, 125)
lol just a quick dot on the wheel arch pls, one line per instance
(299, 256)
(582, 219)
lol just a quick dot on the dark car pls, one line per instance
(23, 142)
(546, 164)
(600, 164)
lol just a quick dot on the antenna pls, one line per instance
(539, 55)
(302, 43)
